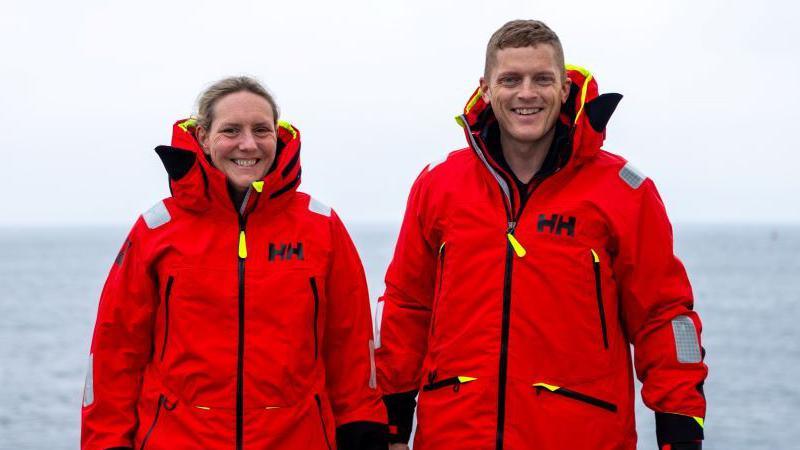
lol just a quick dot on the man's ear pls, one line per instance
(566, 85)
(485, 94)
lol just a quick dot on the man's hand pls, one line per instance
(398, 447)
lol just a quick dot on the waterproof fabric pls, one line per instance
(515, 326)
(220, 328)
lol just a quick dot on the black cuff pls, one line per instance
(400, 408)
(675, 428)
(361, 436)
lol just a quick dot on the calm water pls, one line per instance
(746, 281)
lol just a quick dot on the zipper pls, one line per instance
(442, 250)
(456, 382)
(599, 289)
(162, 402)
(167, 293)
(313, 282)
(322, 421)
(242, 256)
(594, 401)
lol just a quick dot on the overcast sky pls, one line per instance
(89, 88)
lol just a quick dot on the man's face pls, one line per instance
(526, 89)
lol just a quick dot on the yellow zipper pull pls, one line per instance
(518, 248)
(242, 245)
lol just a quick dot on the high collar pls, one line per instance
(197, 185)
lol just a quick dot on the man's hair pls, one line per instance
(522, 33)
(231, 85)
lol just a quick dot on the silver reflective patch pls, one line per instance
(686, 344)
(156, 216)
(88, 385)
(632, 176)
(318, 207)
(373, 377)
(378, 320)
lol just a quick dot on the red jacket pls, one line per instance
(226, 329)
(516, 323)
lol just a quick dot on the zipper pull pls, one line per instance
(258, 186)
(242, 245)
(518, 248)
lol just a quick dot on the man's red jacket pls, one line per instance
(515, 324)
(226, 329)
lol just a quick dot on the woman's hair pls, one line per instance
(225, 86)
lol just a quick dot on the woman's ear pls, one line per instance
(202, 139)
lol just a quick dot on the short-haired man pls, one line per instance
(526, 266)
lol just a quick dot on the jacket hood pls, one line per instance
(585, 112)
(196, 184)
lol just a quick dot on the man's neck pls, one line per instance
(526, 159)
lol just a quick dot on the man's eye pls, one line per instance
(262, 131)
(509, 81)
(545, 81)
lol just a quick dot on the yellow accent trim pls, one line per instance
(258, 186)
(700, 421)
(442, 246)
(580, 69)
(518, 248)
(286, 125)
(594, 255)
(204, 408)
(466, 379)
(190, 122)
(473, 100)
(584, 88)
(549, 387)
(460, 122)
(242, 245)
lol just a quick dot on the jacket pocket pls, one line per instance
(455, 382)
(314, 323)
(569, 393)
(440, 272)
(322, 420)
(162, 404)
(167, 292)
(598, 286)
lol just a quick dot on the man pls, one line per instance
(526, 266)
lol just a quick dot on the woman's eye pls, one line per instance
(229, 130)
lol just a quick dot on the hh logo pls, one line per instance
(285, 252)
(556, 224)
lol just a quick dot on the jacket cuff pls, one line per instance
(361, 436)
(678, 429)
(400, 409)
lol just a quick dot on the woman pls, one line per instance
(236, 314)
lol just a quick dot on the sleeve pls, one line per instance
(404, 314)
(348, 348)
(657, 311)
(120, 350)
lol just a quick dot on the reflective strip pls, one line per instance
(258, 186)
(204, 408)
(186, 124)
(318, 207)
(632, 176)
(156, 216)
(476, 149)
(287, 126)
(436, 163)
(378, 320)
(549, 387)
(373, 377)
(242, 245)
(518, 248)
(88, 385)
(686, 345)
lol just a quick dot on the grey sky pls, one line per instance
(90, 88)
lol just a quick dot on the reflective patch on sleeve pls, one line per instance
(156, 216)
(318, 207)
(373, 377)
(632, 176)
(686, 344)
(88, 385)
(378, 320)
(436, 163)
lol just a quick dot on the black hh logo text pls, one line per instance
(285, 252)
(556, 224)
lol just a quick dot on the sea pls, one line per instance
(746, 281)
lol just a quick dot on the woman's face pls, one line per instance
(242, 139)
